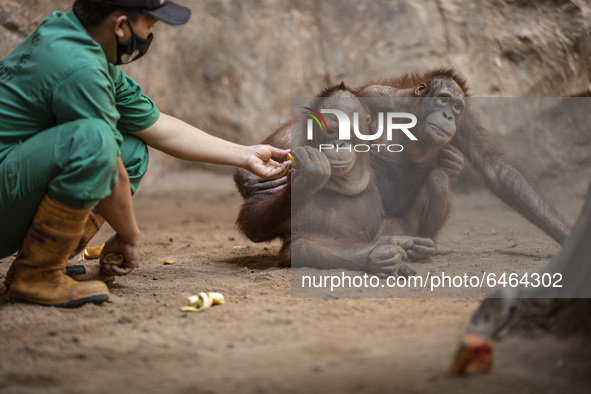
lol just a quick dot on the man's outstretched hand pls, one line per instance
(260, 161)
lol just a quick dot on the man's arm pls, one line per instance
(117, 210)
(179, 139)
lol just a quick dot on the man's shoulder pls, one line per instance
(66, 47)
(59, 49)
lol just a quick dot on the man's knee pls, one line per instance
(91, 142)
(88, 172)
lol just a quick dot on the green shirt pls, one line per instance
(60, 74)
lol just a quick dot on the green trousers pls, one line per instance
(74, 163)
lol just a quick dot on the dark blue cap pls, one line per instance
(164, 10)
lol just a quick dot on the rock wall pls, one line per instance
(234, 67)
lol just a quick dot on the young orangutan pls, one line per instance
(336, 208)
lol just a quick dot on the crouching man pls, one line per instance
(74, 131)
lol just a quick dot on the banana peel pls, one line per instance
(190, 309)
(114, 259)
(202, 301)
(92, 253)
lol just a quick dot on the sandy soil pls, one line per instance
(265, 341)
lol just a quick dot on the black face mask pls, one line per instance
(134, 49)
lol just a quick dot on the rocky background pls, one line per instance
(234, 67)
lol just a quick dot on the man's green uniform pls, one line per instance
(65, 116)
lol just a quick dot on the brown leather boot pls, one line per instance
(93, 224)
(39, 277)
(10, 273)
(78, 272)
(81, 272)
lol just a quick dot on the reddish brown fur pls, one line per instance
(479, 147)
(322, 238)
(266, 215)
(416, 195)
(406, 81)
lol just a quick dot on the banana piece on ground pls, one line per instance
(189, 309)
(202, 301)
(92, 252)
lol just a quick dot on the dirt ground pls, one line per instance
(265, 341)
